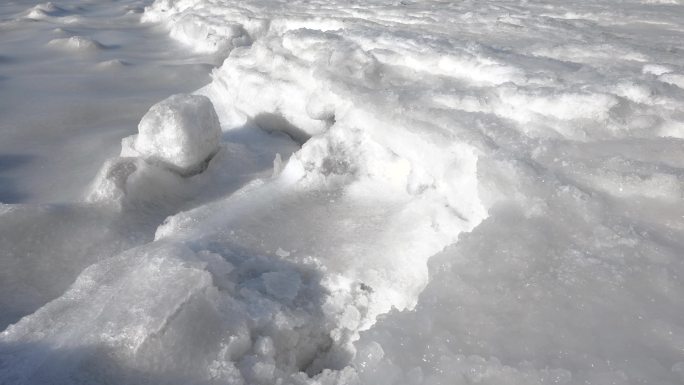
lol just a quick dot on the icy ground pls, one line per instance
(366, 192)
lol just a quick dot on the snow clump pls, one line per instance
(181, 133)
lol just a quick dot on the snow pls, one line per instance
(76, 43)
(181, 132)
(65, 110)
(376, 192)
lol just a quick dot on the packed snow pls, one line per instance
(364, 192)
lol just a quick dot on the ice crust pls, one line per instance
(379, 193)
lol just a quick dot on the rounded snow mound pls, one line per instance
(181, 132)
(76, 43)
(44, 11)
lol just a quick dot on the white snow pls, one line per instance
(65, 106)
(367, 192)
(181, 132)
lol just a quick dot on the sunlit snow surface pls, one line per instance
(402, 192)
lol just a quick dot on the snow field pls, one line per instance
(403, 193)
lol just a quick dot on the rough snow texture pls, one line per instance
(486, 192)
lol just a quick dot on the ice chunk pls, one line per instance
(181, 132)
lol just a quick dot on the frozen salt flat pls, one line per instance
(363, 192)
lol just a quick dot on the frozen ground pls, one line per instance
(366, 192)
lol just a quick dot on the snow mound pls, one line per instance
(181, 132)
(77, 43)
(45, 11)
(129, 182)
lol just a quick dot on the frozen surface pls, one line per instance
(485, 192)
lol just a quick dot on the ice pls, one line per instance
(366, 192)
(129, 182)
(181, 132)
